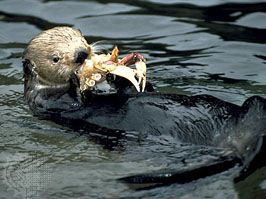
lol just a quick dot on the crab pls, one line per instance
(95, 70)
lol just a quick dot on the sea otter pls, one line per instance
(114, 108)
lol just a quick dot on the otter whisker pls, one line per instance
(97, 47)
(64, 71)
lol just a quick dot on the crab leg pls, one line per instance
(132, 58)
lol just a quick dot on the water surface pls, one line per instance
(192, 47)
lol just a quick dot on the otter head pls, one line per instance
(54, 54)
(51, 61)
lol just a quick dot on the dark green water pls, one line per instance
(192, 47)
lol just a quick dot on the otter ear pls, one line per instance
(27, 67)
(79, 31)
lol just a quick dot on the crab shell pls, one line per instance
(95, 70)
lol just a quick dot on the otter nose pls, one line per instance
(81, 55)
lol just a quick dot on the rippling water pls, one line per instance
(192, 47)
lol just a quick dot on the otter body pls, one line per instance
(201, 119)
(52, 93)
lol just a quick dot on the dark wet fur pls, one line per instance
(202, 120)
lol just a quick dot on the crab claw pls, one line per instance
(141, 74)
(136, 76)
(127, 73)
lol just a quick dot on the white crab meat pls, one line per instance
(95, 70)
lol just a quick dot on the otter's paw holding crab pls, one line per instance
(106, 74)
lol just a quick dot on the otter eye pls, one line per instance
(80, 57)
(56, 59)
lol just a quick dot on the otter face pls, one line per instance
(56, 53)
